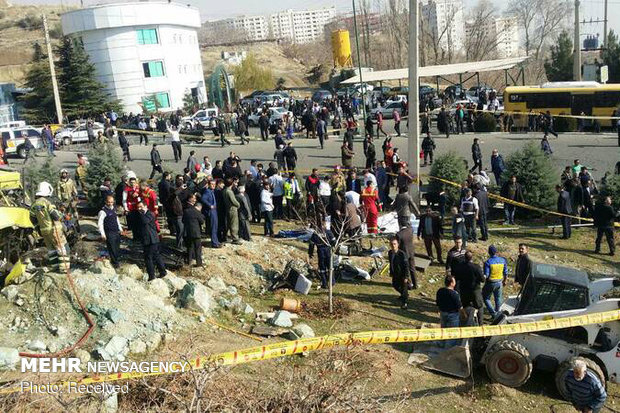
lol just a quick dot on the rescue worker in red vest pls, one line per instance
(49, 220)
(371, 206)
(131, 198)
(149, 197)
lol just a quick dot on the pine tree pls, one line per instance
(450, 166)
(611, 57)
(104, 161)
(37, 171)
(560, 67)
(82, 95)
(39, 105)
(189, 103)
(250, 75)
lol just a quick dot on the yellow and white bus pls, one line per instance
(568, 98)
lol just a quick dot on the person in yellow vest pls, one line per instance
(292, 195)
(49, 220)
(66, 191)
(80, 173)
(495, 272)
(337, 181)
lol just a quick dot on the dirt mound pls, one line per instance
(320, 309)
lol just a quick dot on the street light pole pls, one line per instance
(359, 65)
(414, 97)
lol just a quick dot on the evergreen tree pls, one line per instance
(189, 103)
(250, 75)
(450, 166)
(560, 67)
(82, 95)
(536, 173)
(611, 57)
(37, 171)
(39, 105)
(104, 160)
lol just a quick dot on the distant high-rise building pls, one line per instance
(507, 32)
(297, 26)
(445, 23)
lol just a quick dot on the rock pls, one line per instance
(237, 304)
(224, 303)
(83, 355)
(303, 330)
(175, 283)
(268, 331)
(10, 293)
(500, 391)
(217, 284)
(137, 347)
(19, 302)
(132, 271)
(197, 297)
(247, 309)
(232, 290)
(102, 267)
(152, 342)
(8, 358)
(114, 315)
(282, 318)
(116, 349)
(110, 404)
(291, 335)
(168, 338)
(159, 287)
(37, 345)
(95, 309)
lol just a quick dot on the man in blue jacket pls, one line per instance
(495, 272)
(209, 209)
(497, 166)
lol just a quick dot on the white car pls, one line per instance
(275, 114)
(76, 134)
(450, 109)
(388, 109)
(13, 139)
(397, 98)
(203, 117)
(270, 99)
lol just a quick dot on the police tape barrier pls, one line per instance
(516, 112)
(520, 204)
(289, 348)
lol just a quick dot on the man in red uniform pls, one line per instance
(370, 202)
(149, 197)
(131, 198)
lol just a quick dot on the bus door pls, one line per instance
(582, 103)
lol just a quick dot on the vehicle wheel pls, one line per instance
(188, 126)
(21, 152)
(567, 366)
(509, 363)
(66, 141)
(199, 141)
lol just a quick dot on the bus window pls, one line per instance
(606, 99)
(549, 100)
(516, 98)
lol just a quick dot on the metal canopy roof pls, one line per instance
(439, 70)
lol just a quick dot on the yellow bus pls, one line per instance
(569, 98)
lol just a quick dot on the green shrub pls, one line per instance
(39, 170)
(450, 166)
(536, 173)
(612, 189)
(562, 124)
(485, 122)
(30, 22)
(103, 161)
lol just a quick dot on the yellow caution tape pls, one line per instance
(289, 348)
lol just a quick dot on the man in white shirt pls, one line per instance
(176, 142)
(142, 126)
(110, 230)
(470, 208)
(277, 185)
(368, 176)
(266, 208)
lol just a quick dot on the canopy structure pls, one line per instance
(439, 70)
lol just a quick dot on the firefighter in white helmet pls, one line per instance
(49, 220)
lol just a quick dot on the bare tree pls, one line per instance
(438, 38)
(483, 35)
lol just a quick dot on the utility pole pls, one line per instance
(50, 58)
(413, 99)
(605, 27)
(577, 46)
(359, 65)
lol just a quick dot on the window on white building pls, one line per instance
(153, 69)
(147, 36)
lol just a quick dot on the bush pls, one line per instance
(485, 122)
(450, 166)
(103, 161)
(536, 173)
(612, 189)
(56, 31)
(30, 22)
(562, 124)
(37, 171)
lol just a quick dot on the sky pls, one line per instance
(214, 9)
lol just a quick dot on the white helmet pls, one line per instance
(131, 175)
(45, 189)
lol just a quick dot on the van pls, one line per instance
(13, 140)
(13, 124)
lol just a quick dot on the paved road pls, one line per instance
(599, 152)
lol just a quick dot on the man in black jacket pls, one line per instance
(192, 222)
(564, 207)
(523, 266)
(476, 155)
(430, 230)
(513, 191)
(165, 189)
(244, 213)
(155, 161)
(290, 157)
(399, 271)
(471, 279)
(371, 153)
(604, 216)
(150, 242)
(405, 242)
(483, 210)
(263, 123)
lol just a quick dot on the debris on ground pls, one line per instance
(320, 309)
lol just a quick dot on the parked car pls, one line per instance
(321, 95)
(202, 117)
(475, 91)
(388, 109)
(270, 99)
(251, 98)
(13, 124)
(397, 98)
(75, 133)
(454, 90)
(381, 91)
(13, 139)
(399, 90)
(452, 108)
(426, 91)
(275, 114)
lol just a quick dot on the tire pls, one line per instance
(188, 126)
(509, 363)
(567, 365)
(21, 152)
(199, 141)
(66, 141)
